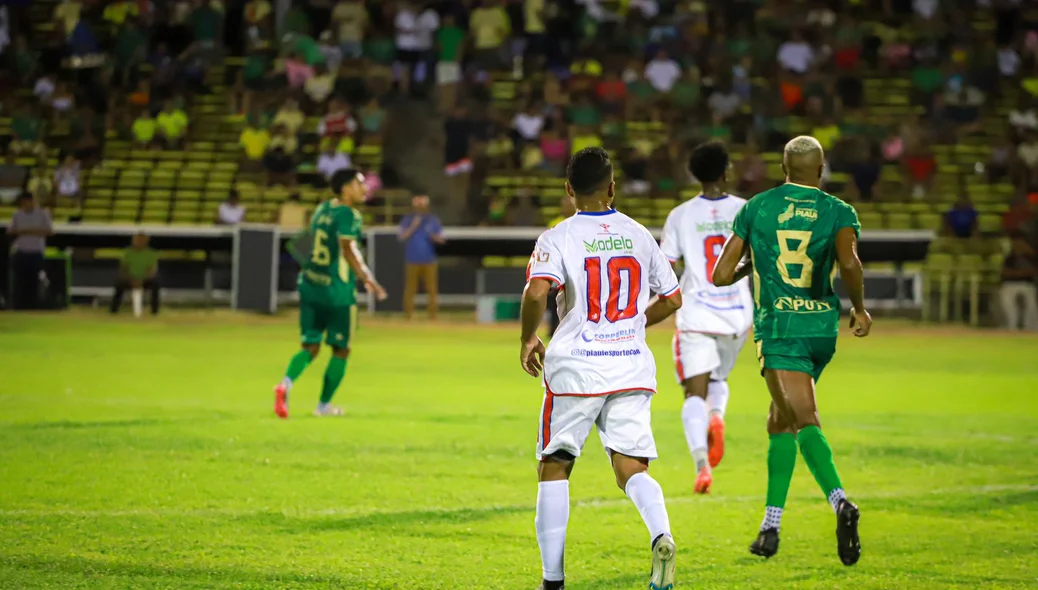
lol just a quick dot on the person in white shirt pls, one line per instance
(598, 369)
(331, 161)
(662, 72)
(713, 324)
(796, 55)
(230, 212)
(529, 123)
(414, 42)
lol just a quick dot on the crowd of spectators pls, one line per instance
(646, 79)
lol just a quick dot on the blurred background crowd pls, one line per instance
(209, 111)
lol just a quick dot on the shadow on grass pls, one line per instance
(413, 519)
(217, 575)
(958, 505)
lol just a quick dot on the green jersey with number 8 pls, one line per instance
(791, 232)
(326, 279)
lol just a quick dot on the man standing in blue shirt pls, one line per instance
(420, 231)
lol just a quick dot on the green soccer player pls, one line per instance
(328, 290)
(796, 236)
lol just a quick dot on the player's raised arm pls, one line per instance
(351, 252)
(853, 278)
(731, 266)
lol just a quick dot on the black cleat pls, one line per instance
(848, 546)
(549, 585)
(766, 544)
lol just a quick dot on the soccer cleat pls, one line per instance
(328, 410)
(715, 440)
(281, 400)
(663, 550)
(552, 585)
(703, 481)
(848, 545)
(766, 544)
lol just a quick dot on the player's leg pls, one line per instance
(625, 428)
(311, 328)
(565, 424)
(728, 348)
(782, 458)
(695, 357)
(339, 332)
(791, 381)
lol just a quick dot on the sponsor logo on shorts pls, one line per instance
(801, 305)
(616, 243)
(583, 352)
(610, 337)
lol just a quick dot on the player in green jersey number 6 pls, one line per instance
(328, 290)
(796, 237)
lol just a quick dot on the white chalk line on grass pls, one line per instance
(596, 503)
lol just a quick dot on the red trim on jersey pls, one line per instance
(677, 357)
(626, 389)
(549, 402)
(672, 293)
(545, 277)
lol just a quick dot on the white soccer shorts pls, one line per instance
(696, 353)
(624, 422)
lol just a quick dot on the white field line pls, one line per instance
(598, 503)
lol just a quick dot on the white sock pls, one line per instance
(137, 296)
(693, 416)
(287, 383)
(551, 522)
(772, 518)
(835, 496)
(717, 397)
(647, 496)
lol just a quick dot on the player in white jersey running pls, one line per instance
(713, 324)
(598, 370)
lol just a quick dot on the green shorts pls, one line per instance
(335, 323)
(803, 355)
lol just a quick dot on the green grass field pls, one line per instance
(146, 455)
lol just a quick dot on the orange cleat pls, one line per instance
(715, 440)
(281, 401)
(703, 481)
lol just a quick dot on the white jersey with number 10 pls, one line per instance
(695, 232)
(607, 265)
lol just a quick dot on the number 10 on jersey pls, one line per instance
(618, 269)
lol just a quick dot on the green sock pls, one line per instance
(819, 458)
(782, 458)
(332, 377)
(298, 364)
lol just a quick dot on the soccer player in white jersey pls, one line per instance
(598, 370)
(713, 324)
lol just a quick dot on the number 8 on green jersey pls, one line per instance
(791, 232)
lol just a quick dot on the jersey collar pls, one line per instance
(596, 213)
(706, 198)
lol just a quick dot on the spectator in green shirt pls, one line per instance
(207, 23)
(450, 42)
(27, 133)
(138, 271)
(131, 49)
